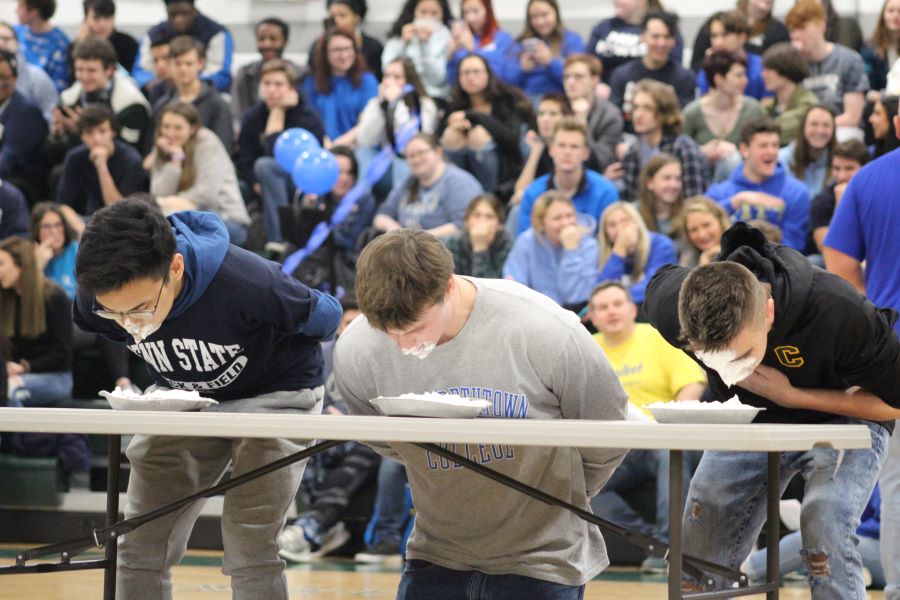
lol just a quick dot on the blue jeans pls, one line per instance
(389, 502)
(790, 558)
(890, 518)
(483, 164)
(427, 581)
(237, 233)
(277, 189)
(41, 389)
(726, 509)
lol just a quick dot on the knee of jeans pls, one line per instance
(265, 166)
(817, 563)
(696, 510)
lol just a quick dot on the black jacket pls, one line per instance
(825, 334)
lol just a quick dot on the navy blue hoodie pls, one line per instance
(239, 328)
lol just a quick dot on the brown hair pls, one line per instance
(543, 203)
(560, 100)
(182, 44)
(668, 109)
(787, 61)
(593, 63)
(647, 199)
(278, 65)
(881, 37)
(804, 154)
(763, 124)
(605, 285)
(95, 48)
(733, 21)
(853, 150)
(492, 201)
(759, 26)
(37, 215)
(322, 68)
(30, 320)
(705, 205)
(556, 36)
(803, 13)
(719, 62)
(572, 124)
(400, 275)
(716, 301)
(641, 253)
(413, 184)
(189, 167)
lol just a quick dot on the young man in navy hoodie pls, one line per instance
(805, 345)
(211, 317)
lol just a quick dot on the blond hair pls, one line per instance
(641, 253)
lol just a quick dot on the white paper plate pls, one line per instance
(131, 402)
(448, 407)
(704, 415)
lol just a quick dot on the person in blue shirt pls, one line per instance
(536, 59)
(43, 44)
(590, 192)
(729, 31)
(477, 33)
(629, 252)
(761, 188)
(210, 317)
(339, 86)
(185, 19)
(557, 256)
(32, 81)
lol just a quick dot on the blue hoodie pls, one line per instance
(238, 329)
(542, 79)
(494, 53)
(794, 220)
(662, 252)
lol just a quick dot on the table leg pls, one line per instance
(112, 515)
(773, 521)
(676, 510)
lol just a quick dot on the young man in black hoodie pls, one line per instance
(803, 344)
(211, 317)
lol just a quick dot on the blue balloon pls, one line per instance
(291, 144)
(315, 172)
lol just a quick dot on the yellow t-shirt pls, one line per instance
(649, 368)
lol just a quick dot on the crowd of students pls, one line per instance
(536, 156)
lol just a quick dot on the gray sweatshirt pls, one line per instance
(533, 360)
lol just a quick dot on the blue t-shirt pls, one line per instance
(594, 194)
(49, 51)
(865, 226)
(61, 269)
(341, 108)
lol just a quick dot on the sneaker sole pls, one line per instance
(297, 557)
(378, 559)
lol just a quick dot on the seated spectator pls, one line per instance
(434, 197)
(651, 371)
(581, 76)
(762, 188)
(36, 317)
(13, 212)
(102, 170)
(43, 44)
(881, 52)
(882, 120)
(401, 99)
(190, 169)
(161, 83)
(617, 40)
(551, 109)
(483, 126)
(703, 221)
(629, 253)
(659, 32)
(838, 75)
(784, 71)
(765, 31)
(841, 30)
(659, 197)
(340, 86)
(481, 248)
(100, 21)
(535, 61)
(348, 16)
(846, 159)
(184, 19)
(187, 57)
(280, 107)
(715, 120)
(729, 32)
(477, 33)
(589, 191)
(32, 81)
(808, 158)
(657, 122)
(557, 256)
(272, 36)
(23, 130)
(97, 83)
(421, 33)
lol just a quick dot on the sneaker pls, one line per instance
(654, 565)
(333, 539)
(293, 545)
(275, 249)
(304, 542)
(790, 513)
(383, 553)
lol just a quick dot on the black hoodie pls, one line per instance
(826, 334)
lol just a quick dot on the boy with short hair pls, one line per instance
(43, 44)
(846, 159)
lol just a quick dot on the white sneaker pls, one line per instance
(333, 539)
(790, 513)
(293, 545)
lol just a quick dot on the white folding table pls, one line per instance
(676, 439)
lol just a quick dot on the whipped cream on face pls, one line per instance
(421, 351)
(139, 330)
(722, 362)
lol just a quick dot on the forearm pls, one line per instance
(385, 223)
(691, 391)
(854, 104)
(529, 169)
(856, 403)
(108, 187)
(442, 231)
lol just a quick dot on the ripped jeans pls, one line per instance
(726, 509)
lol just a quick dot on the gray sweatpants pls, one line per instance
(166, 468)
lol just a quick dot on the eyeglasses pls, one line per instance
(51, 226)
(134, 315)
(346, 50)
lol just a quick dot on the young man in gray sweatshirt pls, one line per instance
(424, 329)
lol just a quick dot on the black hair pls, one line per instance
(94, 115)
(670, 20)
(407, 14)
(105, 9)
(275, 22)
(360, 7)
(46, 8)
(350, 155)
(134, 232)
(10, 59)
(719, 62)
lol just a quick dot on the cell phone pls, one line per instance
(530, 44)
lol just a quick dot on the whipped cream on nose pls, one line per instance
(722, 362)
(139, 330)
